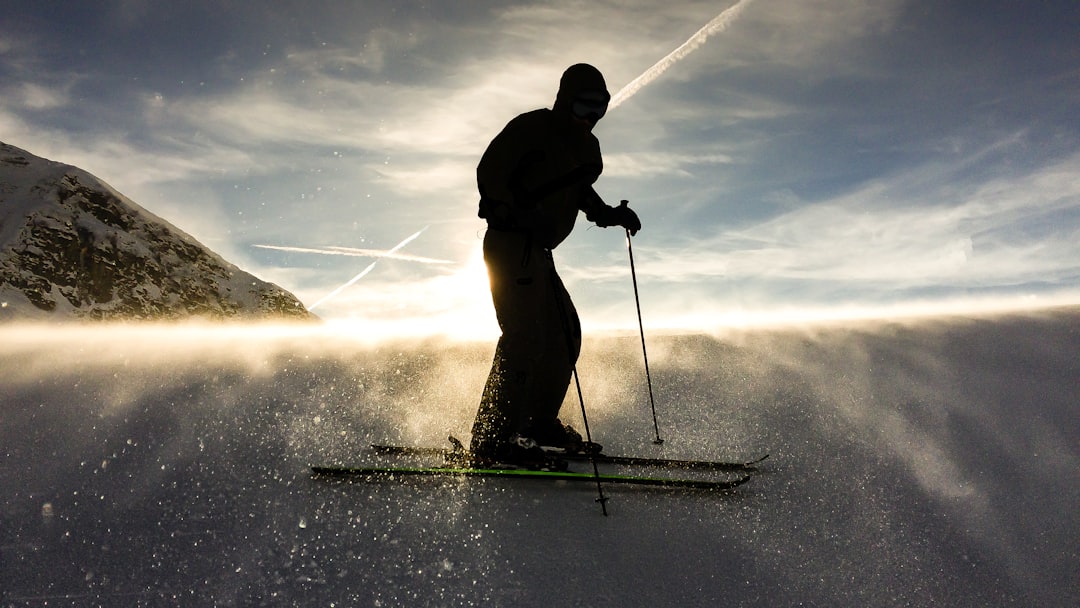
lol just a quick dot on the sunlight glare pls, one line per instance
(455, 305)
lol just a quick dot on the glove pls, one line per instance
(620, 216)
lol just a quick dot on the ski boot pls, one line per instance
(518, 452)
(556, 437)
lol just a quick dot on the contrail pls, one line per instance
(359, 253)
(367, 270)
(717, 25)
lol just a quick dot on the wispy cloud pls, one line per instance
(368, 269)
(38, 97)
(1007, 231)
(715, 26)
(360, 253)
(660, 163)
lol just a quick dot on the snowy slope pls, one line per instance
(913, 464)
(72, 247)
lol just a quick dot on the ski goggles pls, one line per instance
(590, 106)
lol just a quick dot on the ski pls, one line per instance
(667, 463)
(459, 472)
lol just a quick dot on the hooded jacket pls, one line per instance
(538, 172)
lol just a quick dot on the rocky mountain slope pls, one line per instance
(71, 247)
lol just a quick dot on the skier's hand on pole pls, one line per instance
(624, 216)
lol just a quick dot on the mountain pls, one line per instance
(71, 247)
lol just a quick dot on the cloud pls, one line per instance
(127, 14)
(121, 162)
(355, 252)
(715, 26)
(657, 163)
(808, 34)
(1000, 232)
(793, 155)
(369, 56)
(37, 97)
(328, 95)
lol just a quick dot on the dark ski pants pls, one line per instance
(540, 342)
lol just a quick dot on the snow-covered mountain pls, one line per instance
(72, 247)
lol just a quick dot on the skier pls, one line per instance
(534, 178)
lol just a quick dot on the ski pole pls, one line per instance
(564, 318)
(641, 325)
(588, 442)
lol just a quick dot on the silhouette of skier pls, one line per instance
(534, 178)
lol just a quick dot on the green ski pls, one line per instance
(371, 473)
(707, 465)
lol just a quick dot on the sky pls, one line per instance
(788, 158)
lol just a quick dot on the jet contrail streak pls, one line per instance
(367, 270)
(717, 25)
(359, 253)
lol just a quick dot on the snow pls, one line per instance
(912, 464)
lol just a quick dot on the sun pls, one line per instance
(454, 303)
(468, 290)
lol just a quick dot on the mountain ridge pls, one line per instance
(72, 247)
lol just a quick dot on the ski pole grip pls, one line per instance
(623, 205)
